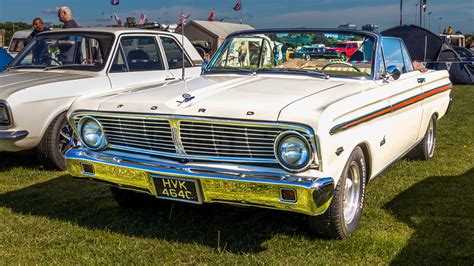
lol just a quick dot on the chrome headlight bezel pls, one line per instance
(103, 140)
(8, 114)
(279, 140)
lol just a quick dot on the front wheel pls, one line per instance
(57, 140)
(342, 217)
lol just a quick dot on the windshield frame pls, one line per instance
(376, 54)
(83, 33)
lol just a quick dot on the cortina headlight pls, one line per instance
(293, 151)
(91, 133)
(5, 119)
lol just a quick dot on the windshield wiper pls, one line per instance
(61, 66)
(25, 66)
(237, 69)
(297, 70)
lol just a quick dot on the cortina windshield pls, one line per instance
(79, 51)
(295, 51)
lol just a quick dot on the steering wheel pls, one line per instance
(341, 63)
(52, 59)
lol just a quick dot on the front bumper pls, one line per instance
(8, 139)
(218, 183)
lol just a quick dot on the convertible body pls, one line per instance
(275, 138)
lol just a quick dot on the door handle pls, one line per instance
(421, 80)
(169, 78)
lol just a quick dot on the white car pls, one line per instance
(60, 66)
(293, 135)
(17, 42)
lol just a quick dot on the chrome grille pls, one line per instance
(221, 140)
(195, 138)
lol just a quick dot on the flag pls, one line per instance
(118, 20)
(182, 20)
(143, 19)
(211, 16)
(238, 5)
(115, 2)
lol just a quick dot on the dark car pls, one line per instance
(308, 53)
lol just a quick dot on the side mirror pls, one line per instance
(394, 72)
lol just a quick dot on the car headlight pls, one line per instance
(293, 151)
(91, 133)
(5, 119)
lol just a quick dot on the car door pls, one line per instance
(406, 110)
(138, 60)
(174, 58)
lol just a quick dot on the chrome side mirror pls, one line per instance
(394, 72)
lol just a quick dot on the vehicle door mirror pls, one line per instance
(394, 72)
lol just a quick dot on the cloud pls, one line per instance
(50, 10)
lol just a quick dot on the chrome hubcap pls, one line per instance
(431, 138)
(351, 192)
(66, 138)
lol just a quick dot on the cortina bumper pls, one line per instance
(218, 183)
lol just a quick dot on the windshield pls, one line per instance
(303, 51)
(81, 51)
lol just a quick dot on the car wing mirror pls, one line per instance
(394, 72)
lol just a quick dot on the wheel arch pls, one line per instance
(368, 157)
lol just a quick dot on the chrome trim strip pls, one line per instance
(17, 135)
(389, 109)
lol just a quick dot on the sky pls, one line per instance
(259, 13)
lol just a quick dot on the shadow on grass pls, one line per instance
(24, 159)
(441, 210)
(233, 229)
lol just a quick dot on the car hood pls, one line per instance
(237, 97)
(11, 82)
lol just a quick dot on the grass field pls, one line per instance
(415, 213)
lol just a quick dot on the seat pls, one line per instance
(137, 56)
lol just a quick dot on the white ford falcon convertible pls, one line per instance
(60, 66)
(265, 128)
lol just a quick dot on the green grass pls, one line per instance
(416, 213)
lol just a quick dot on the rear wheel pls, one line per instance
(307, 57)
(425, 149)
(342, 217)
(343, 56)
(57, 140)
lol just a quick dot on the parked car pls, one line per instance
(345, 49)
(17, 42)
(60, 66)
(299, 136)
(308, 53)
(465, 54)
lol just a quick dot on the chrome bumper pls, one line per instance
(221, 183)
(13, 135)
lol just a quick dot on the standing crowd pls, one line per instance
(64, 16)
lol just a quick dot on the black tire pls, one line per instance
(333, 223)
(130, 199)
(424, 151)
(343, 56)
(307, 57)
(54, 143)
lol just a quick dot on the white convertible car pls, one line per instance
(60, 66)
(262, 129)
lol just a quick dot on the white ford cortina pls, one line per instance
(266, 129)
(60, 66)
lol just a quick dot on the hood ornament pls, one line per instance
(186, 98)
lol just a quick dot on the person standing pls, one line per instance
(38, 26)
(65, 16)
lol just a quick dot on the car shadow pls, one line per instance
(88, 204)
(23, 159)
(441, 211)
